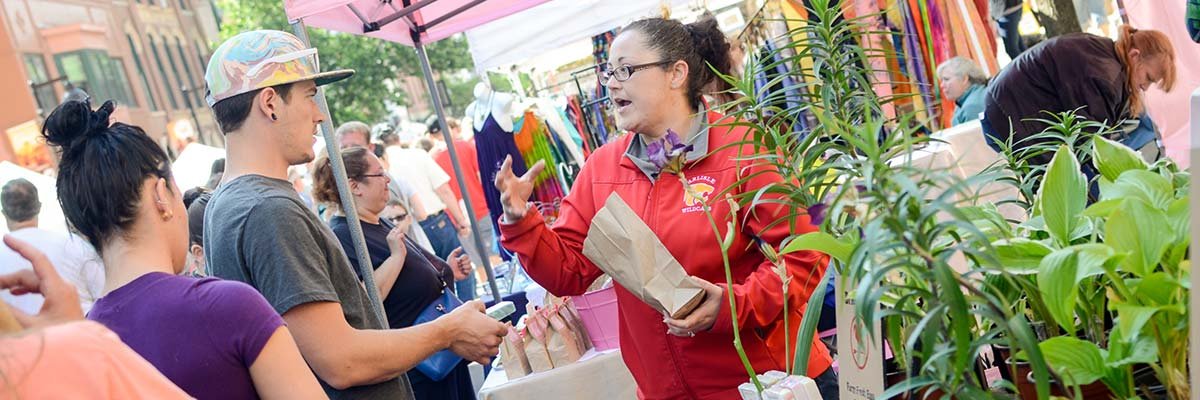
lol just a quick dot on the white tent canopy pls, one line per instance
(553, 25)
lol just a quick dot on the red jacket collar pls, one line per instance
(719, 128)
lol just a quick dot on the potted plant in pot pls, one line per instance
(1122, 259)
(1077, 258)
(892, 227)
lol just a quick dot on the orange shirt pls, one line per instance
(78, 360)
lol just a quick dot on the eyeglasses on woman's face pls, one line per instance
(624, 71)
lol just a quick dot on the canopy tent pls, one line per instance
(558, 24)
(420, 22)
(430, 20)
(192, 167)
(51, 218)
(552, 26)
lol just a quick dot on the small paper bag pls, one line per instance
(571, 315)
(512, 355)
(561, 341)
(621, 245)
(536, 331)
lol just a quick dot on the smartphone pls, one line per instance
(501, 310)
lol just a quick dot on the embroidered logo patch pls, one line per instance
(701, 188)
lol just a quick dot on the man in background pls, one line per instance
(468, 161)
(444, 221)
(74, 259)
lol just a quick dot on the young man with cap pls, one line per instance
(262, 86)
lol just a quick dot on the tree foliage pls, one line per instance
(377, 63)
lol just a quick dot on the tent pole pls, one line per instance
(365, 269)
(458, 174)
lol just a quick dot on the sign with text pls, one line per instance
(860, 355)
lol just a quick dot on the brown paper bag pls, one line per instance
(565, 310)
(621, 245)
(512, 355)
(535, 335)
(561, 342)
(571, 315)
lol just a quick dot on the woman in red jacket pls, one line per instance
(655, 73)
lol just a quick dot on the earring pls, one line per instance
(273, 117)
(167, 215)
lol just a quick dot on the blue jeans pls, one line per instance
(442, 235)
(465, 289)
(1009, 34)
(444, 239)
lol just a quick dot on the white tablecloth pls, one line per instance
(599, 376)
(962, 151)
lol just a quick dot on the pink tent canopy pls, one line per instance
(389, 20)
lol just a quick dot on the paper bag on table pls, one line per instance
(561, 341)
(512, 355)
(535, 335)
(571, 315)
(621, 245)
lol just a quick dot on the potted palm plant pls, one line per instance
(892, 227)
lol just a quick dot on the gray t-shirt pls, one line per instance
(258, 231)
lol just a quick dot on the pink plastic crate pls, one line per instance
(599, 312)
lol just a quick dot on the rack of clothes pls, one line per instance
(543, 131)
(915, 35)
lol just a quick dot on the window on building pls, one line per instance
(35, 67)
(120, 80)
(194, 85)
(137, 62)
(98, 74)
(175, 68)
(168, 85)
(200, 53)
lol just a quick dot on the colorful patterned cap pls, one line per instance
(259, 59)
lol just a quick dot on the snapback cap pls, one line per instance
(259, 59)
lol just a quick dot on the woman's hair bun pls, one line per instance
(711, 45)
(74, 121)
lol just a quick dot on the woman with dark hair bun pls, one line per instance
(213, 338)
(657, 75)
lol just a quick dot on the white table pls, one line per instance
(599, 376)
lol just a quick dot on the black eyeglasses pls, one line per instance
(625, 71)
(379, 175)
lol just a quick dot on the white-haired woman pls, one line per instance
(964, 83)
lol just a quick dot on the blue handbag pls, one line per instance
(442, 363)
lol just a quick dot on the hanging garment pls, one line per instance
(575, 114)
(534, 140)
(493, 144)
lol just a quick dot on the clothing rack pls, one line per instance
(593, 138)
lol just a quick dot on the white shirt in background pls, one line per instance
(417, 168)
(73, 258)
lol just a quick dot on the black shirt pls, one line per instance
(418, 283)
(416, 287)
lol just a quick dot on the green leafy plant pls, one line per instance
(893, 228)
(1124, 261)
